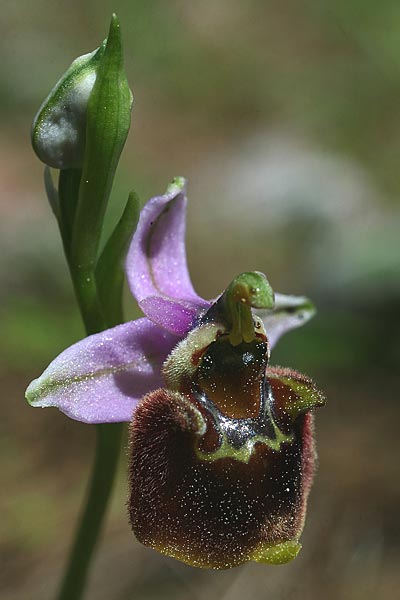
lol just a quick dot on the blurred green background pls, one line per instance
(285, 117)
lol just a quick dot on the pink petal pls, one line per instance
(156, 263)
(101, 378)
(288, 313)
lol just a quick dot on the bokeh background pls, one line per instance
(285, 117)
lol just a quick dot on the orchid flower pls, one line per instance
(221, 444)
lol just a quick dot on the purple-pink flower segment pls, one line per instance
(222, 451)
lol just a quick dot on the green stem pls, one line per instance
(86, 292)
(103, 475)
(108, 443)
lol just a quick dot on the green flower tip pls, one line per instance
(278, 554)
(177, 185)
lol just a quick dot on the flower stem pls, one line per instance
(108, 444)
(104, 471)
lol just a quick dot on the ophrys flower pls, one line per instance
(222, 453)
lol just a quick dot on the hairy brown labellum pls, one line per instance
(221, 468)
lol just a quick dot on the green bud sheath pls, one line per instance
(107, 127)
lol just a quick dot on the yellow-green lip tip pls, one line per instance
(278, 554)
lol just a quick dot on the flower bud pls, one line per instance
(59, 127)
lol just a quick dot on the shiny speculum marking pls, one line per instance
(232, 393)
